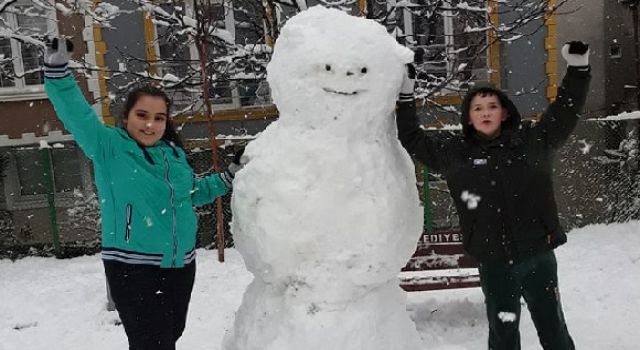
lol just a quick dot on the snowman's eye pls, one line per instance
(327, 68)
(363, 70)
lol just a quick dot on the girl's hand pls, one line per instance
(236, 165)
(56, 58)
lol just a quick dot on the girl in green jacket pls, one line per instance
(147, 192)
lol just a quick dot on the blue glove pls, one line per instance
(56, 58)
(576, 53)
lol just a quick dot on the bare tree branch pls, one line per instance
(6, 4)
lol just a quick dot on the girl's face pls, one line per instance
(147, 120)
(486, 114)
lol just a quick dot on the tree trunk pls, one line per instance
(201, 43)
(270, 22)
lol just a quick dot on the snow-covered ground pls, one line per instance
(59, 304)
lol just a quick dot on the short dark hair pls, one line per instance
(170, 132)
(488, 91)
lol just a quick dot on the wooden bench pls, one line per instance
(441, 251)
(439, 257)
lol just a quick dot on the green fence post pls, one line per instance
(426, 200)
(47, 167)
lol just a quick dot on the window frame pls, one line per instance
(615, 50)
(20, 91)
(449, 39)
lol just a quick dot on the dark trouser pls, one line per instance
(152, 302)
(535, 279)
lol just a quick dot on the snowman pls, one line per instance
(326, 212)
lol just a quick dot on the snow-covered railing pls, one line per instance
(31, 138)
(622, 116)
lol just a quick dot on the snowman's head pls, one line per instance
(328, 65)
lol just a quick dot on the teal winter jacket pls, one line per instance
(146, 201)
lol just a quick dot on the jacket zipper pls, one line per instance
(127, 231)
(510, 249)
(173, 209)
(115, 207)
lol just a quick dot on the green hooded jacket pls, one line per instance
(146, 200)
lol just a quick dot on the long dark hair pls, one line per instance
(170, 133)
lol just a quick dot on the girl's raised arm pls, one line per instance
(70, 105)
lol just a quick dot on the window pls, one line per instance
(31, 180)
(452, 35)
(615, 51)
(20, 61)
(252, 69)
(174, 55)
(25, 186)
(236, 81)
(31, 167)
(222, 86)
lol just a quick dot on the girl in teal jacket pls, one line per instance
(147, 192)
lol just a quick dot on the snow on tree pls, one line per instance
(453, 36)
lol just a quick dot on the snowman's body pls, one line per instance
(326, 211)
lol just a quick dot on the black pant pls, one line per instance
(152, 302)
(535, 279)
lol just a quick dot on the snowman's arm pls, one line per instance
(429, 150)
(207, 189)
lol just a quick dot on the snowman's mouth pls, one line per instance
(340, 92)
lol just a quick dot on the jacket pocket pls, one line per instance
(555, 236)
(548, 227)
(128, 216)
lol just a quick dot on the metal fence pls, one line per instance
(200, 160)
(620, 166)
(67, 223)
